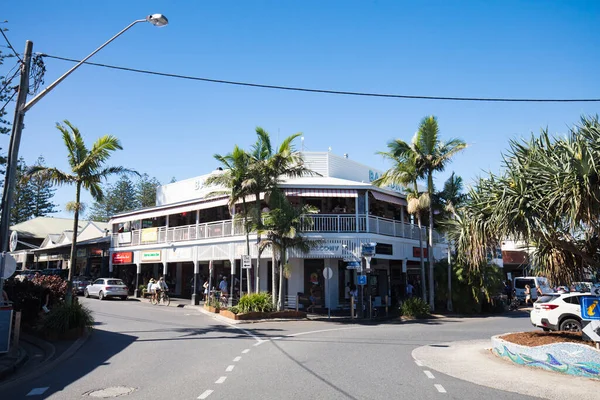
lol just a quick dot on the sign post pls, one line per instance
(367, 251)
(590, 315)
(327, 274)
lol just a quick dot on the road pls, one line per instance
(180, 353)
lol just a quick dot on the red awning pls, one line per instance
(321, 192)
(389, 198)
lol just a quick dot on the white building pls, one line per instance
(187, 231)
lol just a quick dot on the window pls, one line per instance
(520, 283)
(115, 282)
(573, 300)
(99, 282)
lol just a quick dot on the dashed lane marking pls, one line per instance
(205, 394)
(37, 391)
(277, 338)
(229, 368)
(440, 388)
(429, 374)
(238, 358)
(221, 379)
(245, 351)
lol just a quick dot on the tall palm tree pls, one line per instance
(281, 229)
(430, 156)
(404, 173)
(233, 178)
(266, 170)
(88, 170)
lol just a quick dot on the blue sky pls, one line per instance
(171, 128)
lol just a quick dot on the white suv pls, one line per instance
(558, 312)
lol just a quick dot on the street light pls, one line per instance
(21, 107)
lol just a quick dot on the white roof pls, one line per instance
(41, 227)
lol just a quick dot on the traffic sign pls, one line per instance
(590, 308)
(361, 279)
(327, 273)
(368, 249)
(10, 266)
(353, 264)
(246, 261)
(595, 291)
(591, 330)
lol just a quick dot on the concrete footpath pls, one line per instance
(473, 361)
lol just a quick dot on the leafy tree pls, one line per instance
(102, 210)
(43, 193)
(146, 191)
(23, 196)
(88, 170)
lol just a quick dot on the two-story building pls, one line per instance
(192, 232)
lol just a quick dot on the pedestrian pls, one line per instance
(150, 286)
(205, 286)
(528, 295)
(223, 286)
(409, 290)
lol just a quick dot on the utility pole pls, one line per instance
(449, 304)
(13, 156)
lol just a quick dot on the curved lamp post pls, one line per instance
(22, 106)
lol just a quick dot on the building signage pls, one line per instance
(81, 253)
(150, 235)
(150, 256)
(96, 252)
(374, 175)
(122, 257)
(417, 253)
(368, 249)
(327, 250)
(180, 253)
(353, 265)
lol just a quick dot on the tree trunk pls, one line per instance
(73, 258)
(430, 243)
(274, 276)
(423, 284)
(280, 295)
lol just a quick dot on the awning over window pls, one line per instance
(321, 192)
(389, 198)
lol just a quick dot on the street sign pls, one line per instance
(327, 273)
(368, 249)
(361, 280)
(595, 291)
(10, 266)
(246, 261)
(591, 330)
(353, 264)
(590, 308)
(14, 240)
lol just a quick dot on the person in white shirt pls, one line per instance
(409, 290)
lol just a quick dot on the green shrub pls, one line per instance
(65, 317)
(414, 307)
(213, 302)
(234, 309)
(256, 302)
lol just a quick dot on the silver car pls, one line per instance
(106, 287)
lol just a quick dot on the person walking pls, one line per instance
(409, 290)
(528, 295)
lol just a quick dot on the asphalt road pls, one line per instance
(179, 353)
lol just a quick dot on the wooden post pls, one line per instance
(16, 332)
(352, 307)
(297, 301)
(370, 307)
(386, 305)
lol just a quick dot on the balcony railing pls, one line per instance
(320, 223)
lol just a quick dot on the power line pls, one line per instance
(7, 102)
(8, 81)
(325, 91)
(10, 46)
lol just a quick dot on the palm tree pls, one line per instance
(430, 155)
(265, 172)
(281, 229)
(88, 170)
(404, 173)
(233, 179)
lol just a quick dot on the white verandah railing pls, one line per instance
(321, 223)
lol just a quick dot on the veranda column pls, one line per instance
(138, 268)
(195, 297)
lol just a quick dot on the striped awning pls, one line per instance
(389, 198)
(321, 192)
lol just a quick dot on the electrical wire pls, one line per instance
(336, 92)
(8, 81)
(7, 102)
(10, 46)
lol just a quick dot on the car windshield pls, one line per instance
(546, 298)
(520, 283)
(115, 282)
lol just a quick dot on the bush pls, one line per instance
(29, 296)
(256, 302)
(234, 309)
(54, 283)
(414, 307)
(213, 302)
(66, 317)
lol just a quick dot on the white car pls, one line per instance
(106, 287)
(558, 312)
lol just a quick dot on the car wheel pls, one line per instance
(101, 295)
(123, 297)
(570, 325)
(86, 294)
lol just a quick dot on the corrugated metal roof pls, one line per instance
(41, 227)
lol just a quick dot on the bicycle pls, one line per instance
(161, 297)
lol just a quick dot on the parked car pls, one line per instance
(558, 312)
(80, 283)
(106, 287)
(533, 282)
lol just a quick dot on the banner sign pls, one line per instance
(122, 257)
(150, 235)
(150, 256)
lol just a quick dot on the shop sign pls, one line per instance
(81, 253)
(151, 256)
(150, 235)
(182, 253)
(327, 250)
(123, 257)
(96, 252)
(417, 253)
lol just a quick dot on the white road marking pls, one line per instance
(277, 338)
(328, 330)
(440, 388)
(229, 368)
(419, 363)
(37, 391)
(238, 358)
(205, 394)
(221, 379)
(245, 351)
(429, 374)
(259, 342)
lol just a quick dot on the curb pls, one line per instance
(48, 347)
(21, 359)
(52, 363)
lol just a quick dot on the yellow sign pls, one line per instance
(592, 309)
(150, 235)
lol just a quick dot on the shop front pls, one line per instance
(124, 268)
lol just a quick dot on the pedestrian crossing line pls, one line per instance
(230, 368)
(205, 394)
(440, 388)
(245, 351)
(238, 358)
(221, 379)
(37, 391)
(429, 374)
